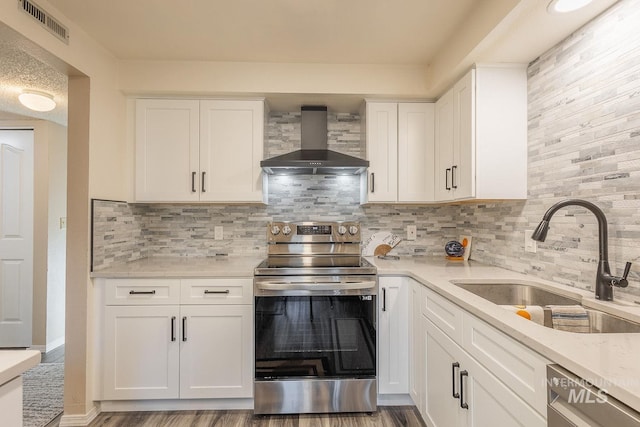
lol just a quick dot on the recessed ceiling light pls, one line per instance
(564, 6)
(37, 101)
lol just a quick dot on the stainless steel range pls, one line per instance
(315, 321)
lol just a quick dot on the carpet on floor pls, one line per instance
(42, 394)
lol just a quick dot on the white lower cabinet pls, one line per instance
(215, 351)
(461, 392)
(201, 349)
(416, 347)
(393, 336)
(474, 375)
(141, 355)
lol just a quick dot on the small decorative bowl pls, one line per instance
(454, 248)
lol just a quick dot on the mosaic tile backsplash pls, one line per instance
(584, 142)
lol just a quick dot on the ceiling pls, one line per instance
(301, 31)
(443, 36)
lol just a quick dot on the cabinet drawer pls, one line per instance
(520, 368)
(217, 291)
(142, 291)
(444, 314)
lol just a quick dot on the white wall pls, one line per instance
(201, 77)
(56, 255)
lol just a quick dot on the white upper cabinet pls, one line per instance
(190, 150)
(381, 132)
(167, 150)
(444, 146)
(231, 148)
(400, 145)
(416, 138)
(481, 136)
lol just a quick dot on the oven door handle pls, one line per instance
(316, 286)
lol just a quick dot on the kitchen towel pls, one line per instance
(535, 313)
(570, 318)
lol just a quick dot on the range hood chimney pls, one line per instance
(314, 157)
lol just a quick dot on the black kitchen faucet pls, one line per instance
(604, 280)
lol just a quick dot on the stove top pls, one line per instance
(314, 265)
(314, 248)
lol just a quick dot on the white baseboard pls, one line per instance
(394, 400)
(79, 420)
(49, 346)
(175, 405)
(55, 344)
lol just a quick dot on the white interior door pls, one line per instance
(16, 237)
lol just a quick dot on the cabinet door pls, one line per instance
(393, 366)
(216, 359)
(231, 147)
(416, 136)
(442, 366)
(416, 346)
(167, 144)
(443, 147)
(382, 151)
(141, 354)
(491, 404)
(464, 143)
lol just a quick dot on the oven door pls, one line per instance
(315, 337)
(315, 327)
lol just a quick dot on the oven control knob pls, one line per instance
(275, 230)
(353, 230)
(286, 230)
(342, 230)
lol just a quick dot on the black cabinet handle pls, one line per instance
(184, 328)
(454, 366)
(173, 328)
(153, 292)
(193, 182)
(453, 176)
(207, 291)
(446, 179)
(373, 182)
(463, 404)
(384, 299)
(203, 190)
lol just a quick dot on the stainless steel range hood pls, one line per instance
(314, 157)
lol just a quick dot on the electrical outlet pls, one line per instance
(530, 245)
(63, 222)
(218, 232)
(411, 232)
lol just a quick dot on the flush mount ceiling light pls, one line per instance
(37, 101)
(564, 6)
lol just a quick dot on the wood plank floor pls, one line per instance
(387, 416)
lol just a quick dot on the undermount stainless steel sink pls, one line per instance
(516, 294)
(508, 293)
(601, 322)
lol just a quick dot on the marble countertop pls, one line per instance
(609, 361)
(182, 267)
(14, 362)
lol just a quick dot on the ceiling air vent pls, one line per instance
(45, 19)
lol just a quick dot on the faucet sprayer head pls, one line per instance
(540, 233)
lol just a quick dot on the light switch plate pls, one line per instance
(530, 245)
(218, 232)
(411, 232)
